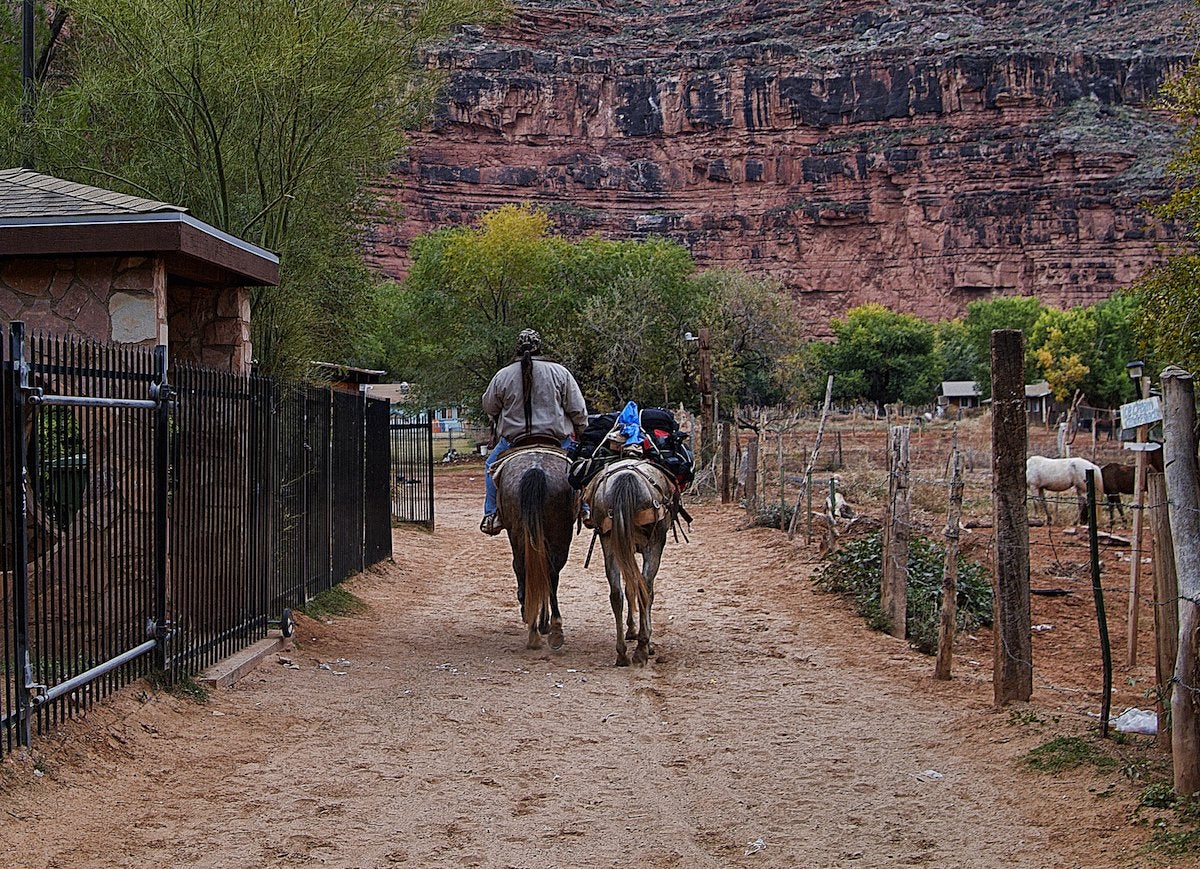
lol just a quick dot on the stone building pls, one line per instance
(82, 260)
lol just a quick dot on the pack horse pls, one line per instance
(631, 510)
(537, 508)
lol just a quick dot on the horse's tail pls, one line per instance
(532, 501)
(624, 495)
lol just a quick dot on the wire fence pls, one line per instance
(854, 464)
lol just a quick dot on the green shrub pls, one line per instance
(855, 570)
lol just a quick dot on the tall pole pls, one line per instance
(707, 446)
(1135, 562)
(27, 47)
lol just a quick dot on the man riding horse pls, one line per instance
(530, 399)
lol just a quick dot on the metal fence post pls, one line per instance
(18, 380)
(162, 393)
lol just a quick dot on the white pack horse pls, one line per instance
(1044, 474)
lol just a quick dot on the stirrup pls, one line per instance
(490, 525)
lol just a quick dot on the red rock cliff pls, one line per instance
(921, 155)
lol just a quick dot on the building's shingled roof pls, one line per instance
(960, 388)
(30, 194)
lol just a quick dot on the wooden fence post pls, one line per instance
(1012, 645)
(1179, 462)
(1166, 602)
(945, 653)
(727, 484)
(812, 458)
(752, 475)
(893, 598)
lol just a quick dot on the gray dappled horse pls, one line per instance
(537, 508)
(631, 509)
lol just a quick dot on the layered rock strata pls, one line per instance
(920, 155)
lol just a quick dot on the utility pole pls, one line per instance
(707, 427)
(27, 47)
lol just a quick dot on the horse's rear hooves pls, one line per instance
(556, 640)
(622, 661)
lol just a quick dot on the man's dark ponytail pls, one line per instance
(527, 389)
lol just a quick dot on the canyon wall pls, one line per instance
(920, 155)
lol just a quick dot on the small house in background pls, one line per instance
(395, 393)
(960, 393)
(346, 378)
(1037, 400)
(81, 260)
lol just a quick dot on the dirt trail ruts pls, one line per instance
(435, 738)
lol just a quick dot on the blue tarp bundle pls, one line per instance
(629, 423)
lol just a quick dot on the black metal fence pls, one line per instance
(155, 521)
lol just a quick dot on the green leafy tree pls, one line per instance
(269, 120)
(958, 353)
(1011, 312)
(1086, 348)
(1168, 296)
(636, 302)
(470, 291)
(882, 356)
(753, 334)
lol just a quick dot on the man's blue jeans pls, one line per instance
(489, 485)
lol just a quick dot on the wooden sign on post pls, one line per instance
(1144, 411)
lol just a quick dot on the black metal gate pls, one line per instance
(412, 470)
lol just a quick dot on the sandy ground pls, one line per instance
(772, 729)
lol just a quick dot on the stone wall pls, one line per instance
(210, 327)
(106, 298)
(129, 300)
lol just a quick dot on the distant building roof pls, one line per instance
(1037, 390)
(41, 215)
(960, 389)
(393, 392)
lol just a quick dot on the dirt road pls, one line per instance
(771, 730)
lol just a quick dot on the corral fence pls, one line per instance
(162, 519)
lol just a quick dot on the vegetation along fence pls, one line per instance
(161, 520)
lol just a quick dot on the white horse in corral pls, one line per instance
(1044, 474)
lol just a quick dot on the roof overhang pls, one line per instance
(193, 250)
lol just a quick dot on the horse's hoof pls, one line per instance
(535, 640)
(640, 657)
(622, 661)
(556, 639)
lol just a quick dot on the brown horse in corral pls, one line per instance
(537, 508)
(631, 508)
(1119, 479)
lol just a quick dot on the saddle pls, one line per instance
(526, 447)
(666, 504)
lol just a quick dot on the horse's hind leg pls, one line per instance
(630, 631)
(651, 559)
(556, 629)
(616, 598)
